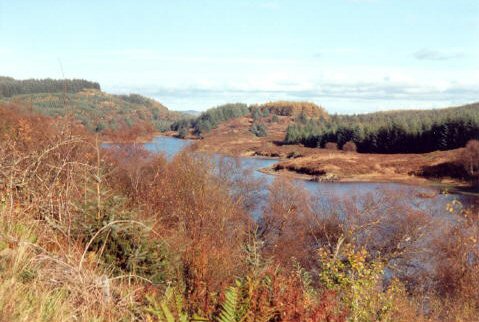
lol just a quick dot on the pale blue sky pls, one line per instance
(347, 55)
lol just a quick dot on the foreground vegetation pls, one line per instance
(120, 234)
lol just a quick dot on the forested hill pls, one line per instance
(214, 116)
(98, 111)
(10, 87)
(407, 131)
(102, 112)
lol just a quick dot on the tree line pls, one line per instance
(211, 118)
(415, 131)
(10, 87)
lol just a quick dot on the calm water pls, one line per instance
(170, 146)
(167, 145)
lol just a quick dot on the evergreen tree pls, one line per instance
(392, 132)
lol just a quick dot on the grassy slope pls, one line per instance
(99, 111)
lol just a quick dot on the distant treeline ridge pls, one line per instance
(10, 87)
(416, 131)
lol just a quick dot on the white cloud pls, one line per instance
(335, 94)
(430, 54)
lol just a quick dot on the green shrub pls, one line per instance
(359, 283)
(259, 129)
(182, 132)
(123, 244)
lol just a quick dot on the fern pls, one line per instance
(166, 312)
(230, 311)
(170, 308)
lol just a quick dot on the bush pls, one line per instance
(259, 130)
(331, 146)
(182, 132)
(256, 114)
(123, 244)
(350, 146)
(294, 155)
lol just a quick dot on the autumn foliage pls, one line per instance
(92, 233)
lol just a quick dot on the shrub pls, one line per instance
(331, 146)
(123, 244)
(256, 114)
(259, 129)
(294, 155)
(349, 146)
(349, 273)
(182, 132)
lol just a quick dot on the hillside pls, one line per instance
(96, 110)
(270, 112)
(408, 131)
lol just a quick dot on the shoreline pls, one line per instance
(450, 185)
(456, 187)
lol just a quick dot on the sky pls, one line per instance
(349, 56)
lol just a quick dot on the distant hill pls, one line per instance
(191, 112)
(213, 117)
(96, 110)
